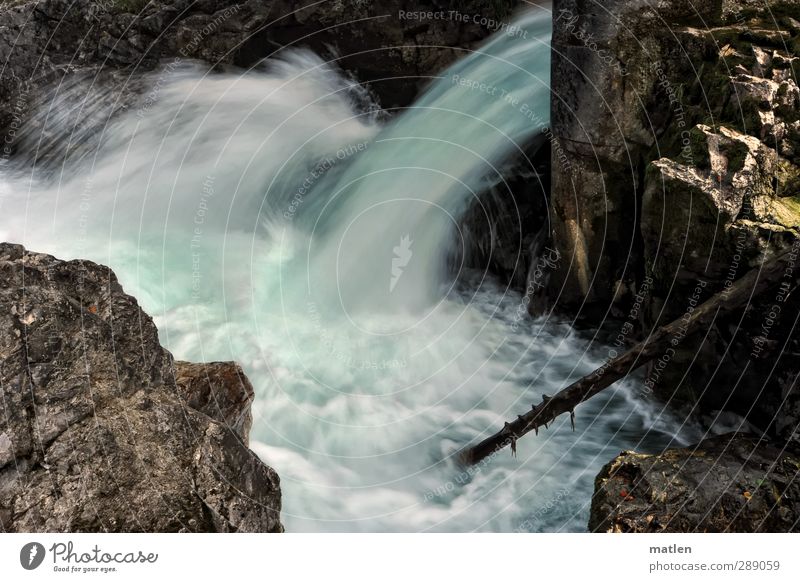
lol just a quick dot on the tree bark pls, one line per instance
(735, 297)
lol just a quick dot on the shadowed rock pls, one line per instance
(384, 43)
(680, 123)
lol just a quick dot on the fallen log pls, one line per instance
(735, 297)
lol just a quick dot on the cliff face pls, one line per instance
(100, 430)
(678, 127)
(385, 43)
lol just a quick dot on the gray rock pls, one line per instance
(45, 42)
(690, 212)
(96, 434)
(729, 483)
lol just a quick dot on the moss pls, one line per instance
(729, 35)
(788, 211)
(771, 38)
(787, 179)
(743, 115)
(712, 93)
(776, 215)
(718, 94)
(712, 100)
(764, 16)
(780, 11)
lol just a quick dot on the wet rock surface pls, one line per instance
(730, 483)
(100, 430)
(386, 43)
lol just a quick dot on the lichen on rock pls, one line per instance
(730, 483)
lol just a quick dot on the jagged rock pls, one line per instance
(627, 96)
(729, 483)
(763, 62)
(220, 390)
(95, 432)
(688, 210)
(711, 222)
(680, 124)
(781, 61)
(765, 104)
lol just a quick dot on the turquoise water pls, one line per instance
(277, 219)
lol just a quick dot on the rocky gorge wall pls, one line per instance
(678, 171)
(386, 44)
(678, 126)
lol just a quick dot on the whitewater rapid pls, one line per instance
(277, 218)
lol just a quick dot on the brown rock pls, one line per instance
(220, 390)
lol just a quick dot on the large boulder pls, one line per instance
(100, 430)
(730, 483)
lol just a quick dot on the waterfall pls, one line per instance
(406, 192)
(278, 218)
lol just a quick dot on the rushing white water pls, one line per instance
(411, 184)
(275, 219)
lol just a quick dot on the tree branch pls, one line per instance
(735, 297)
